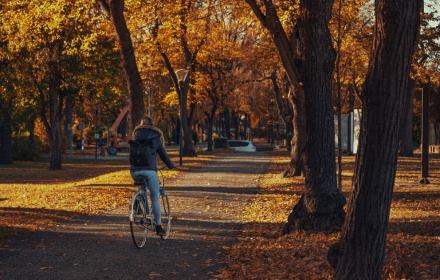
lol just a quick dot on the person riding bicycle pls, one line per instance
(146, 131)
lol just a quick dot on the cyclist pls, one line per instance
(144, 132)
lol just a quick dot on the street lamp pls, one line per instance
(97, 107)
(181, 77)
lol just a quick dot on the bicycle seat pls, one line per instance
(139, 180)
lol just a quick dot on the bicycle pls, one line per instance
(140, 212)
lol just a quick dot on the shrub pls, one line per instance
(22, 151)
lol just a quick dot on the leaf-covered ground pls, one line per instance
(413, 241)
(33, 197)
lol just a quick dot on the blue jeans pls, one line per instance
(153, 186)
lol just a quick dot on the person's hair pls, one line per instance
(147, 121)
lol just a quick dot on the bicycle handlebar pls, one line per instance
(161, 168)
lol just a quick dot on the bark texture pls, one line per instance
(360, 251)
(115, 9)
(321, 207)
(406, 142)
(308, 59)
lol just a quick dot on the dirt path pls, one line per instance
(206, 202)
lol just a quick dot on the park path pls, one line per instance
(207, 202)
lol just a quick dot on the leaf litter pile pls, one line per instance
(34, 198)
(413, 240)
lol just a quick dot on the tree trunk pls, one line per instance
(211, 117)
(284, 113)
(360, 251)
(349, 124)
(188, 148)
(5, 137)
(406, 143)
(321, 207)
(236, 119)
(298, 143)
(54, 132)
(308, 59)
(115, 8)
(228, 123)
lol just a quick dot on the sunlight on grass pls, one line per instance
(34, 198)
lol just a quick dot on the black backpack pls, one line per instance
(140, 153)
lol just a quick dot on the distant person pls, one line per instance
(241, 134)
(195, 138)
(146, 131)
(101, 145)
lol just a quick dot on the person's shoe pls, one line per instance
(160, 231)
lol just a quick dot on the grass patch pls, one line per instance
(32, 197)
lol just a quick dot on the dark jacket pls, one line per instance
(145, 133)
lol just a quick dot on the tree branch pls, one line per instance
(258, 12)
(104, 5)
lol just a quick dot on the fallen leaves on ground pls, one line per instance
(413, 241)
(34, 198)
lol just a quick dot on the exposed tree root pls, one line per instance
(317, 213)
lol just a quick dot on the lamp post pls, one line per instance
(97, 107)
(181, 77)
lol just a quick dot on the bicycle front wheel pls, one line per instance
(138, 221)
(165, 216)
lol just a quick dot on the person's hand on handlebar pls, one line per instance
(175, 165)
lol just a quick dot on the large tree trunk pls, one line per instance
(360, 251)
(308, 59)
(406, 143)
(115, 8)
(55, 103)
(5, 137)
(321, 207)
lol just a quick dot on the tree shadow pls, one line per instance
(74, 170)
(29, 211)
(422, 226)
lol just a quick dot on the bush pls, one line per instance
(220, 143)
(22, 151)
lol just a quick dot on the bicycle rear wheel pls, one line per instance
(138, 221)
(165, 215)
